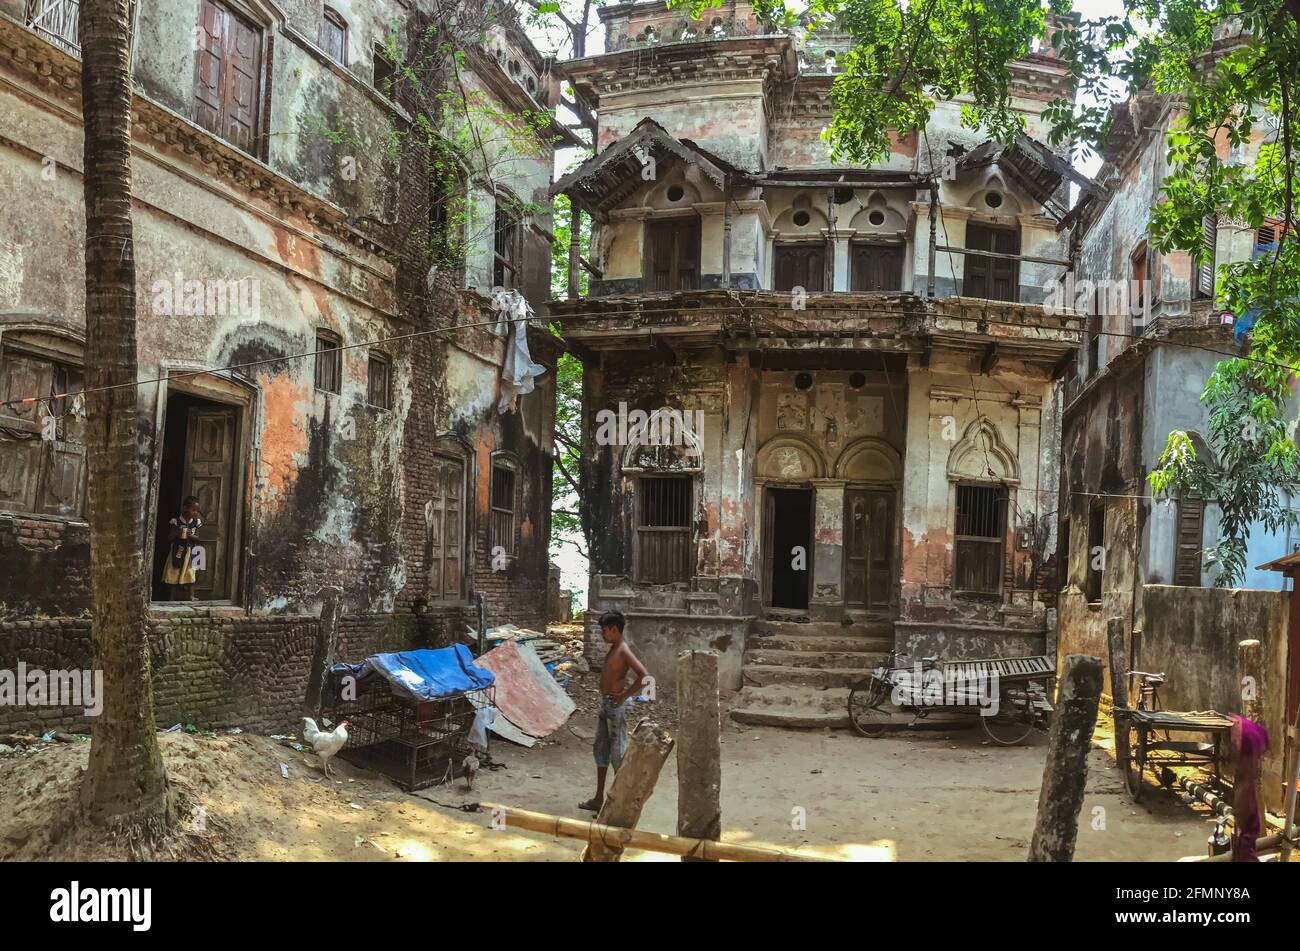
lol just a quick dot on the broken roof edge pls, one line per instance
(651, 133)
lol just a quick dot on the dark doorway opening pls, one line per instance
(791, 547)
(198, 458)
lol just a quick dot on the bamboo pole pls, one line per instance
(620, 838)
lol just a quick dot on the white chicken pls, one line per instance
(325, 744)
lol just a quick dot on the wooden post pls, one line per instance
(1248, 665)
(633, 783)
(322, 658)
(1065, 775)
(575, 248)
(726, 238)
(1118, 662)
(699, 748)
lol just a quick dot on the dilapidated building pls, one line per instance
(336, 404)
(1154, 333)
(852, 421)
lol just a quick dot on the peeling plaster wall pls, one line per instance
(330, 484)
(967, 427)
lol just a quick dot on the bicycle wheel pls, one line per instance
(868, 707)
(1010, 725)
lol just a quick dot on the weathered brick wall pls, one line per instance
(209, 670)
(45, 562)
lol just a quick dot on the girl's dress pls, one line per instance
(180, 557)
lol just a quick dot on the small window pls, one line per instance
(385, 71)
(505, 245)
(1096, 553)
(379, 385)
(334, 36)
(1094, 344)
(1137, 295)
(979, 537)
(503, 509)
(329, 363)
(663, 530)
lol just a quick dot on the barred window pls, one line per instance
(663, 530)
(329, 362)
(979, 537)
(503, 507)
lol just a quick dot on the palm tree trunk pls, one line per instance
(126, 783)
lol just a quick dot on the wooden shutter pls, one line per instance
(1187, 556)
(227, 86)
(799, 265)
(673, 254)
(877, 268)
(209, 471)
(39, 475)
(1205, 270)
(991, 278)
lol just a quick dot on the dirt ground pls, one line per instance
(911, 797)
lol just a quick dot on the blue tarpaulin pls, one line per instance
(422, 675)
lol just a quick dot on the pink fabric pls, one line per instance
(1249, 741)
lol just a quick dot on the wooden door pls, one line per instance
(444, 521)
(991, 278)
(877, 268)
(209, 477)
(868, 548)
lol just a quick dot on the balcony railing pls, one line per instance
(58, 21)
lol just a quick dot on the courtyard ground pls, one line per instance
(911, 797)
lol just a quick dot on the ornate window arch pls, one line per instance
(981, 456)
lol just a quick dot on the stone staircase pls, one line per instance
(798, 673)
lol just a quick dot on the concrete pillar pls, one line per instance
(920, 454)
(827, 601)
(699, 748)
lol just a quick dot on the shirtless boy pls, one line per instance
(615, 695)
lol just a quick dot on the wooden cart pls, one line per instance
(1143, 739)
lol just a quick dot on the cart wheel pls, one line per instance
(1009, 726)
(1133, 774)
(869, 710)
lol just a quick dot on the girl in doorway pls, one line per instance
(179, 571)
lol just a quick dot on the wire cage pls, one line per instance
(414, 743)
